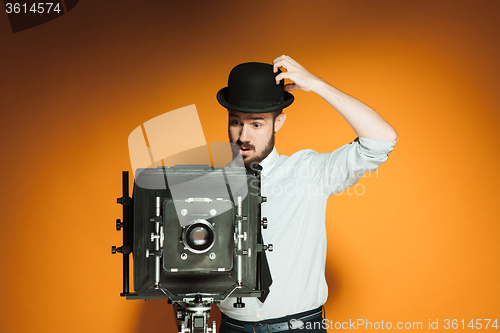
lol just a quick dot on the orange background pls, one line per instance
(420, 243)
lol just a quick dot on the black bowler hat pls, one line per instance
(252, 88)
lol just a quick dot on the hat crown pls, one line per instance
(254, 82)
(252, 88)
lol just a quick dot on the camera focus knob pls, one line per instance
(119, 225)
(115, 249)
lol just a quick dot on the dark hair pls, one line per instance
(276, 114)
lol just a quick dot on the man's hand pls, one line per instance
(301, 78)
(363, 119)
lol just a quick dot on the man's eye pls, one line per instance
(257, 125)
(235, 123)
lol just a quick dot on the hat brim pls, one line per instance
(221, 98)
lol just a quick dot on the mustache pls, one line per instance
(245, 145)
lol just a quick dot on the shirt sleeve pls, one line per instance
(347, 164)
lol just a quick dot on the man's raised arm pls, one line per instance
(365, 121)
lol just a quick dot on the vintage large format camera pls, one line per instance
(195, 236)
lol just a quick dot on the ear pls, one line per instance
(280, 120)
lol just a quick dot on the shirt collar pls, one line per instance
(269, 162)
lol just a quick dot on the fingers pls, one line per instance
(295, 72)
(279, 58)
(282, 61)
(285, 62)
(281, 76)
(291, 87)
(276, 61)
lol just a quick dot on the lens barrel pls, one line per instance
(198, 236)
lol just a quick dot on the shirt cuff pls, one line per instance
(376, 146)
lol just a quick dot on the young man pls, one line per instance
(296, 187)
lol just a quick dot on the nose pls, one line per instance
(244, 134)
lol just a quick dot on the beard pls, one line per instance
(247, 160)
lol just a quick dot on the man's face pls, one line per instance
(253, 133)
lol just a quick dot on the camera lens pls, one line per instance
(198, 237)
